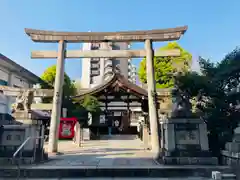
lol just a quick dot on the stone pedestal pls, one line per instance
(186, 142)
(25, 125)
(86, 134)
(231, 154)
(234, 146)
(15, 135)
(146, 137)
(78, 135)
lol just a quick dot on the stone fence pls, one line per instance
(231, 159)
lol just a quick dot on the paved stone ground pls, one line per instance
(190, 178)
(119, 150)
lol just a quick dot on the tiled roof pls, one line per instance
(20, 69)
(116, 80)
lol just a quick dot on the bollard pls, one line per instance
(216, 175)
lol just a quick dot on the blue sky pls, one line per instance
(214, 27)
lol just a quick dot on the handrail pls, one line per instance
(23, 144)
(21, 147)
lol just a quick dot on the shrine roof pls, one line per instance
(117, 80)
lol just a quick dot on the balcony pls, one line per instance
(108, 69)
(95, 72)
(108, 63)
(95, 66)
(95, 60)
(107, 75)
(116, 47)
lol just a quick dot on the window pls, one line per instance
(116, 47)
(95, 59)
(95, 72)
(9, 137)
(17, 137)
(95, 46)
(91, 80)
(3, 82)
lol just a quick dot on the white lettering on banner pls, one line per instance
(102, 119)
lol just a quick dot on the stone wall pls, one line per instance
(14, 135)
(232, 160)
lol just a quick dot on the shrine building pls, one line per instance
(121, 102)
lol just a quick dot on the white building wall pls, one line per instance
(3, 74)
(123, 62)
(19, 81)
(12, 80)
(86, 64)
(3, 103)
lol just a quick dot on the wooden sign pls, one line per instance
(41, 106)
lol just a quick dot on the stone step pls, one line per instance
(217, 175)
(229, 176)
(188, 178)
(10, 161)
(122, 171)
(4, 161)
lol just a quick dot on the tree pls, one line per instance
(68, 87)
(77, 85)
(49, 77)
(91, 104)
(165, 67)
(216, 101)
(79, 112)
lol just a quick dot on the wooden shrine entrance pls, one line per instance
(123, 36)
(118, 99)
(118, 121)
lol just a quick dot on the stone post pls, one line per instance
(9, 98)
(57, 99)
(152, 103)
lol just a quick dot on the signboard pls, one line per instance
(64, 112)
(86, 134)
(116, 113)
(116, 123)
(102, 119)
(66, 130)
(89, 118)
(186, 136)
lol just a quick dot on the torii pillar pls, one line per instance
(152, 101)
(57, 99)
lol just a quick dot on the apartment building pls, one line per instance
(96, 70)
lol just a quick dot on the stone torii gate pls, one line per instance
(125, 36)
